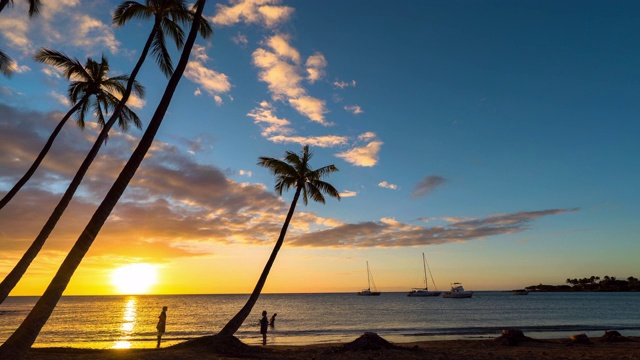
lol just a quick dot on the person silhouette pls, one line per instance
(272, 322)
(264, 322)
(162, 324)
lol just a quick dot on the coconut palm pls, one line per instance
(6, 62)
(166, 13)
(90, 89)
(34, 6)
(293, 171)
(18, 344)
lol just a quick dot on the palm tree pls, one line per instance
(5, 61)
(18, 344)
(164, 11)
(34, 6)
(294, 171)
(166, 16)
(90, 89)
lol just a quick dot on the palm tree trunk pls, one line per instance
(234, 324)
(18, 344)
(19, 270)
(23, 180)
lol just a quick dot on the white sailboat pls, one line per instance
(367, 291)
(418, 292)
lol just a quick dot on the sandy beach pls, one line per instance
(363, 348)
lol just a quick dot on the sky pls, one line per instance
(497, 137)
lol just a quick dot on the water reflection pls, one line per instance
(128, 323)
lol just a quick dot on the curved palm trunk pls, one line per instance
(23, 180)
(234, 324)
(19, 270)
(18, 344)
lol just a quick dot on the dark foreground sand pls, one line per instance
(447, 349)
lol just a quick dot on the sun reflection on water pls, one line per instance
(129, 322)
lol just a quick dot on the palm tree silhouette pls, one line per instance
(295, 172)
(18, 344)
(34, 6)
(90, 89)
(164, 11)
(6, 63)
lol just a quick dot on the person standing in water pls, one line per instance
(272, 322)
(264, 322)
(162, 324)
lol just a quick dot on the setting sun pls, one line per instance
(134, 278)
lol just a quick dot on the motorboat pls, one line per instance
(457, 292)
(520, 292)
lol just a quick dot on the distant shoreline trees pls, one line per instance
(591, 284)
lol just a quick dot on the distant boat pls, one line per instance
(520, 292)
(417, 292)
(457, 292)
(367, 291)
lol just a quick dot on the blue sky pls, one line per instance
(498, 137)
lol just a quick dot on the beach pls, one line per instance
(357, 349)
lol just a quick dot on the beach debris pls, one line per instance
(512, 337)
(613, 336)
(579, 339)
(369, 341)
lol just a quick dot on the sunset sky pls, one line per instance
(500, 138)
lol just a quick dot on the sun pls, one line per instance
(134, 278)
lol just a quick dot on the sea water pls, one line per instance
(129, 321)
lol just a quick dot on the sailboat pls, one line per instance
(419, 292)
(367, 291)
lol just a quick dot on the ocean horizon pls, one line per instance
(115, 321)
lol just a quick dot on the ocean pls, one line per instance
(129, 321)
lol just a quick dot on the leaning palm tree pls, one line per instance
(90, 89)
(6, 62)
(296, 172)
(167, 14)
(18, 344)
(34, 6)
(165, 11)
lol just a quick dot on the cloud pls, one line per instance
(348, 193)
(61, 99)
(344, 84)
(267, 13)
(212, 82)
(354, 109)
(365, 156)
(90, 32)
(315, 67)
(270, 123)
(387, 233)
(280, 69)
(245, 173)
(14, 31)
(387, 185)
(427, 185)
(240, 39)
(319, 141)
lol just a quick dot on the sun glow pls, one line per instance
(134, 278)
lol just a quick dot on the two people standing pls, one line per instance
(264, 323)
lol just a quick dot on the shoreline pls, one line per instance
(364, 348)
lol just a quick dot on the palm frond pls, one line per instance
(6, 65)
(58, 59)
(174, 31)
(34, 7)
(129, 10)
(159, 51)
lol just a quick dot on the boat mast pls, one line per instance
(424, 265)
(368, 277)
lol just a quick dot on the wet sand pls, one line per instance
(445, 349)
